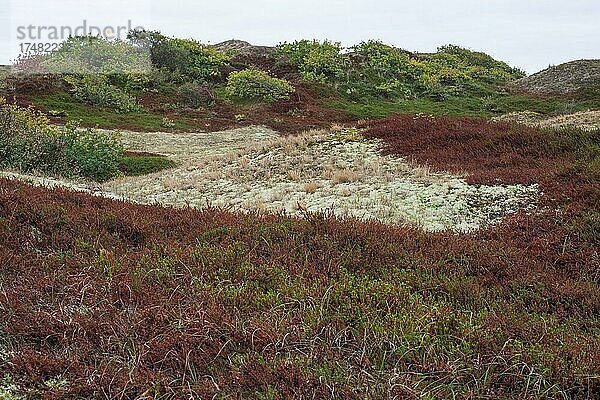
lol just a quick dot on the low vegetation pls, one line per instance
(105, 298)
(151, 77)
(114, 299)
(141, 164)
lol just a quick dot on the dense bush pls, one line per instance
(182, 56)
(96, 156)
(387, 70)
(373, 68)
(131, 82)
(96, 90)
(316, 61)
(253, 84)
(480, 65)
(194, 95)
(29, 143)
(90, 55)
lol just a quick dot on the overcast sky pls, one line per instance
(527, 34)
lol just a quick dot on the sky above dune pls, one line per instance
(528, 34)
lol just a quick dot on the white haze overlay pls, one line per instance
(528, 34)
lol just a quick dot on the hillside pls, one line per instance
(564, 79)
(186, 221)
(104, 298)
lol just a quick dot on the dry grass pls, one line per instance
(244, 162)
(294, 175)
(345, 176)
(312, 187)
(170, 183)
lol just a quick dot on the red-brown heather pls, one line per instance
(131, 301)
(489, 152)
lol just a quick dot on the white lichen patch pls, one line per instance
(254, 168)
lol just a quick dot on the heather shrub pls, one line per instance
(30, 143)
(253, 84)
(96, 90)
(143, 165)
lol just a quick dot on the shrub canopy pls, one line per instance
(253, 84)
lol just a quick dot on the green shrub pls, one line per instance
(97, 91)
(90, 55)
(480, 65)
(182, 56)
(374, 69)
(253, 84)
(316, 61)
(29, 143)
(131, 82)
(193, 95)
(385, 70)
(386, 61)
(97, 156)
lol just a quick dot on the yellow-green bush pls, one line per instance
(253, 84)
(316, 61)
(90, 55)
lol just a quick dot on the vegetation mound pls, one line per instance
(564, 79)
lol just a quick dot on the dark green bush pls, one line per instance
(142, 165)
(29, 143)
(253, 84)
(193, 95)
(182, 56)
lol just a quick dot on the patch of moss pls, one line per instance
(143, 165)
